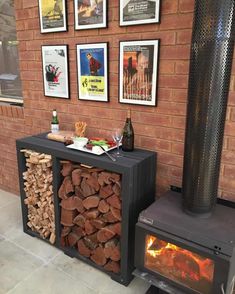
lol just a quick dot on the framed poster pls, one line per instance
(55, 71)
(92, 67)
(52, 16)
(90, 14)
(138, 72)
(135, 12)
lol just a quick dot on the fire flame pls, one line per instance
(191, 265)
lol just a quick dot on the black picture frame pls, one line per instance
(139, 86)
(86, 78)
(148, 13)
(87, 24)
(49, 16)
(56, 71)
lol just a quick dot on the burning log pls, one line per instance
(39, 194)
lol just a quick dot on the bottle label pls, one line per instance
(54, 128)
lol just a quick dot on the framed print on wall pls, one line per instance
(136, 12)
(55, 71)
(52, 16)
(138, 72)
(92, 67)
(90, 14)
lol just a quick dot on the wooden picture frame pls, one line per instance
(138, 72)
(139, 12)
(92, 68)
(90, 15)
(55, 71)
(52, 16)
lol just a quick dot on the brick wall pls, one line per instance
(158, 128)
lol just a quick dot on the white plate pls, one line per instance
(83, 149)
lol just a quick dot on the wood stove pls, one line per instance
(179, 253)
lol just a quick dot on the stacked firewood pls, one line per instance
(91, 213)
(39, 194)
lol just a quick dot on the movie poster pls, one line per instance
(55, 71)
(92, 71)
(138, 72)
(90, 14)
(133, 12)
(52, 16)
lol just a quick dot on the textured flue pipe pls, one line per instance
(209, 79)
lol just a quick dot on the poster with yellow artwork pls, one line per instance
(52, 16)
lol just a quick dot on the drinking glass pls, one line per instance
(117, 137)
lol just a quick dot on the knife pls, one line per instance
(110, 156)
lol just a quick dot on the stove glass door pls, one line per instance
(178, 264)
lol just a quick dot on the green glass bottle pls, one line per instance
(128, 134)
(54, 122)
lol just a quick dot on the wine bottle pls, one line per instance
(54, 122)
(128, 134)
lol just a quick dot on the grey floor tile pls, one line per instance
(15, 265)
(33, 245)
(10, 217)
(137, 286)
(50, 280)
(79, 270)
(7, 198)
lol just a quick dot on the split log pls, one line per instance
(106, 191)
(117, 188)
(115, 178)
(89, 229)
(83, 249)
(80, 220)
(93, 182)
(65, 231)
(67, 168)
(109, 247)
(76, 177)
(105, 234)
(66, 188)
(72, 239)
(91, 214)
(91, 202)
(91, 241)
(114, 201)
(104, 178)
(67, 217)
(98, 223)
(73, 203)
(98, 256)
(116, 213)
(103, 206)
(112, 266)
(86, 189)
(78, 231)
(39, 194)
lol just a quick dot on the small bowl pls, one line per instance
(80, 142)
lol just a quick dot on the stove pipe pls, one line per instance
(209, 79)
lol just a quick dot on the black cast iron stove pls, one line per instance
(179, 253)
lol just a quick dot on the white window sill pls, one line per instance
(6, 100)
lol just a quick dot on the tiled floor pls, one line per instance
(30, 266)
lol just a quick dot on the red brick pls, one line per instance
(184, 37)
(186, 5)
(174, 81)
(31, 3)
(182, 67)
(176, 21)
(175, 52)
(169, 6)
(167, 67)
